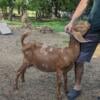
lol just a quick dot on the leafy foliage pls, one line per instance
(43, 8)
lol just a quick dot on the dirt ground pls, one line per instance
(40, 85)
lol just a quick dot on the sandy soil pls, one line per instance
(39, 85)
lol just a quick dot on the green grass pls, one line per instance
(17, 22)
(57, 25)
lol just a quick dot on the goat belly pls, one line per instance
(45, 67)
(45, 60)
(46, 64)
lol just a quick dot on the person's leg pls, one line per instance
(98, 98)
(79, 69)
(87, 50)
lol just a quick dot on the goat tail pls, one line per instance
(23, 38)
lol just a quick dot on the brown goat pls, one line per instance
(49, 59)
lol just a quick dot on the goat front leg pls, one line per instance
(59, 83)
(65, 81)
(23, 73)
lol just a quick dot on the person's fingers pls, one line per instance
(67, 28)
(70, 29)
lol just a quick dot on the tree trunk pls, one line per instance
(4, 12)
(53, 13)
(18, 9)
(55, 9)
(38, 15)
(10, 13)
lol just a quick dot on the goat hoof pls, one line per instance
(15, 87)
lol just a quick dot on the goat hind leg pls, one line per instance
(23, 75)
(19, 72)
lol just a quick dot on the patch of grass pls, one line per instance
(57, 25)
(15, 22)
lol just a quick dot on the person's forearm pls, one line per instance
(79, 10)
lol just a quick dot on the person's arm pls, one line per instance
(78, 12)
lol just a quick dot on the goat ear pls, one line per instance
(78, 36)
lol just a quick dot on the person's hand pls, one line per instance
(69, 27)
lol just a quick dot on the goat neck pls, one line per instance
(74, 46)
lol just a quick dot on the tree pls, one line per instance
(43, 8)
(22, 6)
(3, 6)
(11, 4)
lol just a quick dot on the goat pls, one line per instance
(50, 59)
